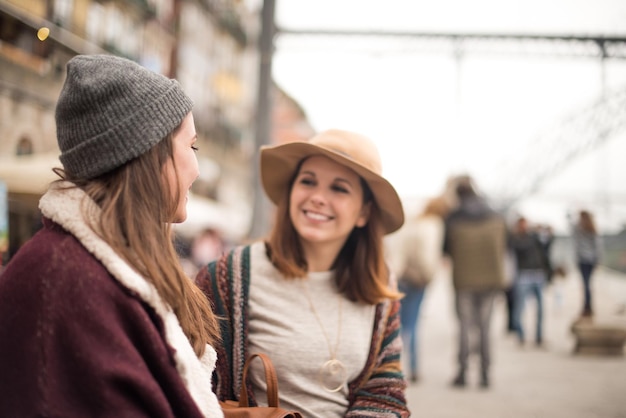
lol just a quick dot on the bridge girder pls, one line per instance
(565, 45)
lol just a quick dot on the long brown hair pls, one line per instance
(586, 222)
(136, 202)
(360, 270)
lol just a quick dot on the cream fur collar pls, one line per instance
(63, 206)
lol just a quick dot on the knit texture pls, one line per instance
(83, 334)
(379, 390)
(112, 110)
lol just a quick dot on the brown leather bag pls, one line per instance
(241, 409)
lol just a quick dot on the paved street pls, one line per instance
(526, 382)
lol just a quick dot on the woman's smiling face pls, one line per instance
(326, 203)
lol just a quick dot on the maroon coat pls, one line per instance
(74, 342)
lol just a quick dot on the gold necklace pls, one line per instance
(333, 374)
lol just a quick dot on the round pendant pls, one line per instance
(333, 375)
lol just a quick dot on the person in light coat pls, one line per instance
(415, 255)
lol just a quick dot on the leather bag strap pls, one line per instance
(270, 379)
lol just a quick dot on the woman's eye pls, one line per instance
(194, 148)
(307, 182)
(340, 189)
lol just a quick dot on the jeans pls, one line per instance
(474, 309)
(509, 294)
(585, 271)
(409, 318)
(529, 283)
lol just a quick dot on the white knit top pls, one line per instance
(283, 326)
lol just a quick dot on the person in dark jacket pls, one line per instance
(475, 241)
(97, 317)
(531, 261)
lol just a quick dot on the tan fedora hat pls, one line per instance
(357, 152)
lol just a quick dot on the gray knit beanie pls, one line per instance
(112, 110)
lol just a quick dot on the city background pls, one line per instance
(528, 97)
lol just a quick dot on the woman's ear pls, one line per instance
(364, 216)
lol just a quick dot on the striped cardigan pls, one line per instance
(379, 390)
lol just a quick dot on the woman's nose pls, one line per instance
(318, 198)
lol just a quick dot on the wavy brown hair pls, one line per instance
(360, 270)
(587, 223)
(136, 202)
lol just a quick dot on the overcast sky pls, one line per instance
(433, 118)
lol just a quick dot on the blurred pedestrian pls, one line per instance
(509, 289)
(97, 317)
(531, 275)
(545, 235)
(588, 248)
(317, 295)
(415, 254)
(559, 275)
(475, 239)
(206, 246)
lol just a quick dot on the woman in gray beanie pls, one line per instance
(97, 317)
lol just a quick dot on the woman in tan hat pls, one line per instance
(316, 296)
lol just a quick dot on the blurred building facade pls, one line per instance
(210, 46)
(289, 120)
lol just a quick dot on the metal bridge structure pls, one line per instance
(556, 146)
(584, 130)
(552, 149)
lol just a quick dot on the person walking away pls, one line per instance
(588, 248)
(97, 317)
(475, 240)
(532, 268)
(206, 246)
(509, 291)
(415, 255)
(545, 235)
(316, 295)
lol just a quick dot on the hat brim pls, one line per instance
(278, 165)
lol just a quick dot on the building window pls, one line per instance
(62, 12)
